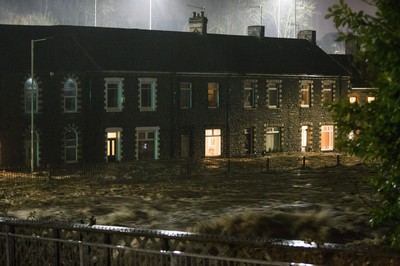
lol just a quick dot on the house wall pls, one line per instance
(92, 120)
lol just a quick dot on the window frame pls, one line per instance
(327, 90)
(213, 139)
(119, 94)
(305, 94)
(183, 90)
(73, 97)
(327, 131)
(152, 82)
(249, 86)
(146, 130)
(276, 133)
(68, 147)
(213, 98)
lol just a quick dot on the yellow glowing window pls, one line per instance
(370, 99)
(327, 138)
(213, 142)
(353, 99)
(213, 95)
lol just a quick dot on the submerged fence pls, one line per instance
(27, 242)
(215, 166)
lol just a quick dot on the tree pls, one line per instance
(377, 125)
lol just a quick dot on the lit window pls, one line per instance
(272, 139)
(147, 94)
(213, 95)
(185, 96)
(353, 99)
(305, 94)
(327, 93)
(327, 138)
(213, 142)
(31, 91)
(250, 93)
(147, 143)
(70, 96)
(370, 99)
(113, 144)
(71, 146)
(305, 138)
(114, 94)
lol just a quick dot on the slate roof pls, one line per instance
(348, 62)
(75, 48)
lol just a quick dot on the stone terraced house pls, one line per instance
(108, 94)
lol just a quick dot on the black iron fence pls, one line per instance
(215, 166)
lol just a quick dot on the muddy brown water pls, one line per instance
(180, 202)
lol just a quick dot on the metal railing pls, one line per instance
(26, 242)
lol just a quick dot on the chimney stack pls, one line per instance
(309, 35)
(198, 23)
(256, 31)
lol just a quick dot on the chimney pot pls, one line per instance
(309, 35)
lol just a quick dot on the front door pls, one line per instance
(304, 138)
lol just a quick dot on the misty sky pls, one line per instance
(165, 14)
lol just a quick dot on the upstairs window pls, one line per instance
(213, 95)
(185, 95)
(305, 94)
(31, 96)
(250, 93)
(70, 96)
(273, 92)
(327, 92)
(147, 94)
(114, 94)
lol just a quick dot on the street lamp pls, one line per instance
(33, 101)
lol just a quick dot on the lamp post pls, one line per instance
(33, 102)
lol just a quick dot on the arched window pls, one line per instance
(70, 96)
(30, 96)
(71, 145)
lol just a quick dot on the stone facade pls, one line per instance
(207, 108)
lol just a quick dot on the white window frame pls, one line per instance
(146, 130)
(249, 90)
(152, 83)
(305, 91)
(73, 97)
(327, 131)
(68, 145)
(119, 92)
(213, 142)
(213, 87)
(273, 131)
(185, 89)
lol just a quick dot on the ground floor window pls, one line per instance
(185, 144)
(212, 142)
(147, 143)
(327, 138)
(71, 145)
(273, 139)
(249, 140)
(113, 144)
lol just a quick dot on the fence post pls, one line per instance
(83, 254)
(337, 160)
(107, 241)
(57, 248)
(10, 246)
(267, 164)
(229, 168)
(304, 162)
